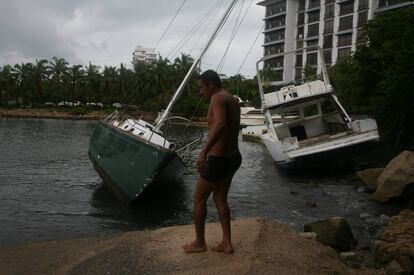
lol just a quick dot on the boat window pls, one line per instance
(327, 106)
(126, 126)
(310, 110)
(291, 112)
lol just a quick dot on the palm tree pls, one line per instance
(59, 67)
(75, 75)
(92, 81)
(41, 71)
(6, 81)
(22, 73)
(110, 75)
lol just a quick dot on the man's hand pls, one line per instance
(201, 162)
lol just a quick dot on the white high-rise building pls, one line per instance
(142, 54)
(334, 25)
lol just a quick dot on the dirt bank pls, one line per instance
(261, 247)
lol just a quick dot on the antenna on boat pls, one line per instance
(193, 66)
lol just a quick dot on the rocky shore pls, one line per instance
(261, 247)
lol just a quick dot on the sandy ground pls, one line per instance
(261, 247)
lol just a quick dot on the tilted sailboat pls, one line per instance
(129, 154)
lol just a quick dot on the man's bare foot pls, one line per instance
(194, 247)
(223, 247)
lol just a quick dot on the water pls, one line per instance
(49, 190)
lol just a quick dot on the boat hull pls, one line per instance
(128, 164)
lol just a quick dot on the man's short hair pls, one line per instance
(212, 77)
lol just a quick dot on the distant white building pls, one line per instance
(334, 25)
(142, 54)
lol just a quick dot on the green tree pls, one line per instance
(58, 71)
(379, 77)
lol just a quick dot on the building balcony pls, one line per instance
(392, 4)
(276, 28)
(274, 15)
(272, 42)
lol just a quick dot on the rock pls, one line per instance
(394, 248)
(308, 235)
(397, 175)
(369, 177)
(310, 204)
(364, 215)
(352, 259)
(334, 232)
(361, 189)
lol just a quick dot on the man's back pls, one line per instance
(224, 109)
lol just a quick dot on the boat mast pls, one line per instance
(190, 71)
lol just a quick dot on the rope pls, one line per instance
(172, 20)
(194, 29)
(251, 47)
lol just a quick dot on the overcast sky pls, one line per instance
(106, 32)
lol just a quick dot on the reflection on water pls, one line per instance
(49, 190)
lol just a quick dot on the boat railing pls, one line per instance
(184, 151)
(289, 91)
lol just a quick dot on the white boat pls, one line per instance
(251, 116)
(322, 128)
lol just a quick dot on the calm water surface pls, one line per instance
(49, 190)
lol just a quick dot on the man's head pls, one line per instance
(209, 82)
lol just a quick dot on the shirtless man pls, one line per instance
(219, 159)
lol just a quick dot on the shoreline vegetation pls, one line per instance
(261, 246)
(78, 114)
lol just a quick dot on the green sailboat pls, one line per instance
(130, 154)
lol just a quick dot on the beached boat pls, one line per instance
(251, 116)
(322, 128)
(129, 154)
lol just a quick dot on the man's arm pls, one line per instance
(218, 109)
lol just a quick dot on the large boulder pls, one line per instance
(397, 175)
(334, 232)
(370, 177)
(394, 248)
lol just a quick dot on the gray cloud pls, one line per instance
(106, 32)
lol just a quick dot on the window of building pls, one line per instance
(301, 18)
(298, 73)
(362, 18)
(313, 17)
(345, 52)
(299, 59)
(345, 40)
(274, 36)
(329, 11)
(301, 5)
(276, 62)
(274, 49)
(327, 56)
(299, 44)
(345, 23)
(327, 41)
(300, 33)
(311, 43)
(270, 24)
(276, 8)
(363, 4)
(346, 8)
(313, 30)
(328, 26)
(312, 58)
(314, 4)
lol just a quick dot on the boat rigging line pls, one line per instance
(190, 72)
(236, 28)
(172, 20)
(196, 27)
